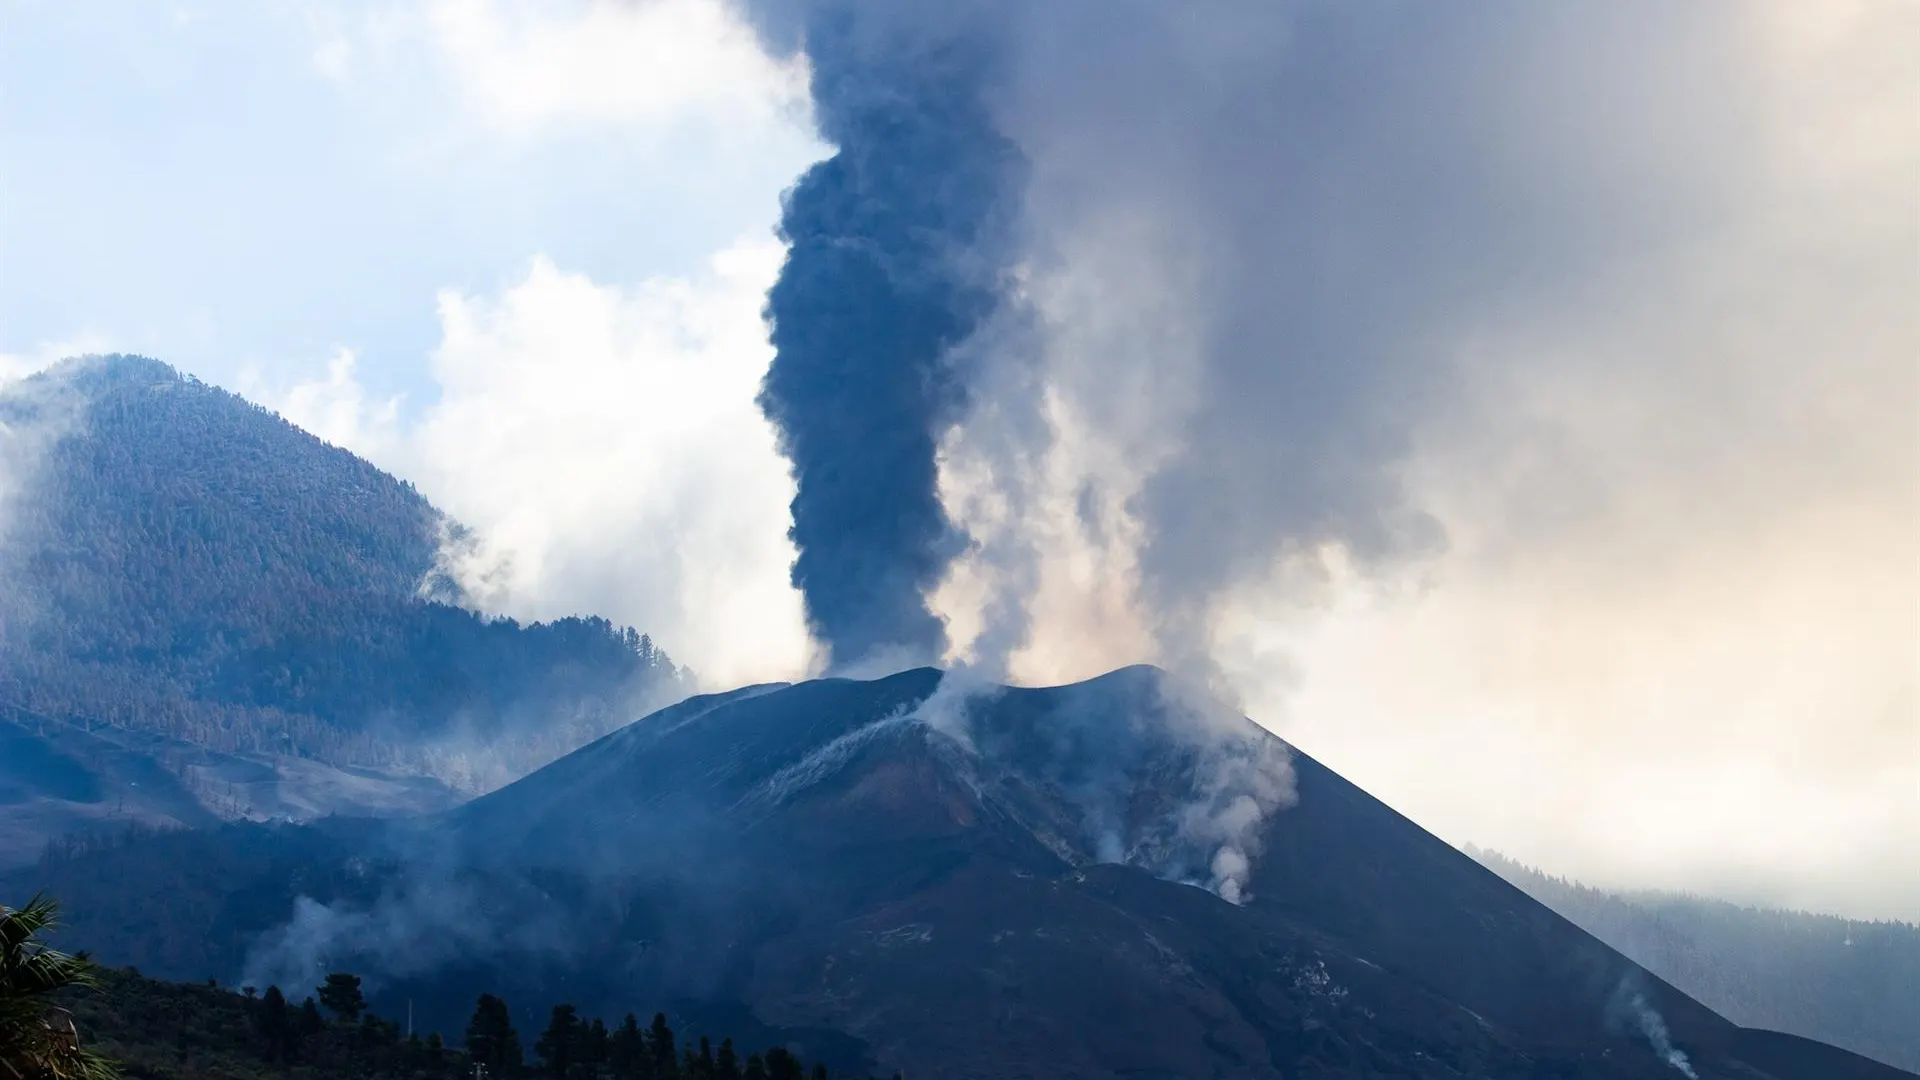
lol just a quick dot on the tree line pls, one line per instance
(336, 1017)
(62, 1017)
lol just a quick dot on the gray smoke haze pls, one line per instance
(36, 412)
(417, 915)
(409, 931)
(1247, 242)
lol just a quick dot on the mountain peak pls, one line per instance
(184, 565)
(122, 368)
(826, 862)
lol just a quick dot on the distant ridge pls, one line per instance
(1850, 982)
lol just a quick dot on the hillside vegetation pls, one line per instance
(177, 560)
(1851, 983)
(156, 1030)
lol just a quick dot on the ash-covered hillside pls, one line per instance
(1107, 879)
(179, 564)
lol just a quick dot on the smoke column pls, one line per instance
(1178, 169)
(898, 252)
(1108, 314)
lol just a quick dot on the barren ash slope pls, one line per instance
(998, 881)
(1008, 883)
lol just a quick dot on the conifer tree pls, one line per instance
(275, 1023)
(756, 1068)
(782, 1065)
(666, 1064)
(593, 1048)
(726, 1064)
(627, 1051)
(491, 1039)
(310, 1022)
(340, 995)
(559, 1043)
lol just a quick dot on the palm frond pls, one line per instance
(38, 1041)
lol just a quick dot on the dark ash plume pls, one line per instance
(897, 254)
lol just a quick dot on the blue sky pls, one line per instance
(249, 186)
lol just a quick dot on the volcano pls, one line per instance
(1113, 878)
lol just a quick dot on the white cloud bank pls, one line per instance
(600, 437)
(607, 62)
(604, 444)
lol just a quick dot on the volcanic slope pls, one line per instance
(978, 885)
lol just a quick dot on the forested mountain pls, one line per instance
(996, 884)
(177, 561)
(1848, 982)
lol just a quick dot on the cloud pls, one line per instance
(38, 417)
(603, 443)
(19, 365)
(655, 69)
(653, 62)
(310, 174)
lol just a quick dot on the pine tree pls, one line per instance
(593, 1047)
(341, 996)
(726, 1065)
(275, 1023)
(704, 1064)
(559, 1044)
(310, 1022)
(491, 1039)
(666, 1064)
(626, 1051)
(782, 1065)
(375, 1032)
(756, 1068)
